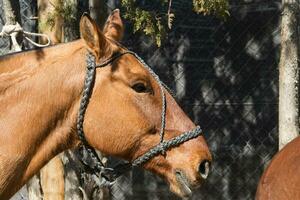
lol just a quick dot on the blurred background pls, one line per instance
(224, 73)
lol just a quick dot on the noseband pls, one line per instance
(109, 175)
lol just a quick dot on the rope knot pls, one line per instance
(8, 29)
(162, 149)
(12, 30)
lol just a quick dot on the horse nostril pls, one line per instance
(204, 168)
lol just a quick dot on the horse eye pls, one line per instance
(140, 88)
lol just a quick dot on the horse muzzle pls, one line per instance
(185, 185)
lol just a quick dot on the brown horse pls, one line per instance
(40, 93)
(281, 180)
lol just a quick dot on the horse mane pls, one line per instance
(16, 67)
(36, 50)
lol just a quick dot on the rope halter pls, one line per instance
(109, 175)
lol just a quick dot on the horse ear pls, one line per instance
(114, 27)
(93, 37)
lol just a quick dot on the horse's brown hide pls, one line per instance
(281, 180)
(39, 103)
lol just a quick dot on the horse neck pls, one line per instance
(34, 58)
(38, 110)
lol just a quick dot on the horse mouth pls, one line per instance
(183, 183)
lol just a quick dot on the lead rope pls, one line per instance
(11, 31)
(109, 175)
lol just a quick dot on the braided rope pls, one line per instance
(158, 149)
(109, 175)
(163, 97)
(88, 83)
(86, 93)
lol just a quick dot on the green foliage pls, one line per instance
(68, 12)
(156, 24)
(151, 23)
(215, 7)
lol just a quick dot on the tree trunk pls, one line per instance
(289, 74)
(52, 180)
(51, 175)
(45, 8)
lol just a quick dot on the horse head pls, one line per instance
(123, 117)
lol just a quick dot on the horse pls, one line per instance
(128, 113)
(281, 179)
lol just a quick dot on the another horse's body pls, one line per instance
(281, 180)
(40, 92)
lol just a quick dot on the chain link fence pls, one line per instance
(4, 42)
(225, 76)
(25, 15)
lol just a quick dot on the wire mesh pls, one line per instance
(4, 42)
(225, 76)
